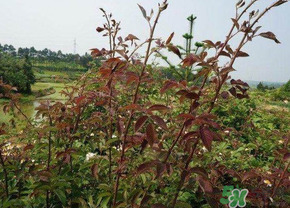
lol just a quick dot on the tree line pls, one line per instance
(46, 55)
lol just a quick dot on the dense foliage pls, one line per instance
(283, 93)
(17, 72)
(263, 87)
(50, 60)
(126, 137)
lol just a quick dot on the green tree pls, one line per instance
(261, 87)
(17, 72)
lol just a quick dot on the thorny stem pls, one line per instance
(135, 49)
(183, 178)
(109, 29)
(110, 133)
(231, 64)
(206, 77)
(242, 43)
(26, 118)
(280, 179)
(183, 126)
(229, 36)
(48, 160)
(112, 40)
(135, 98)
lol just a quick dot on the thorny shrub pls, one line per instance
(123, 139)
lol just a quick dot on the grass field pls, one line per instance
(55, 80)
(44, 85)
(55, 76)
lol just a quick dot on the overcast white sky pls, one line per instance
(54, 24)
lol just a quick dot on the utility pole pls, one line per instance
(75, 46)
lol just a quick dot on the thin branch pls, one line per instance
(152, 30)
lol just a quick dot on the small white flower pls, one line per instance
(90, 156)
(92, 134)
(204, 149)
(114, 136)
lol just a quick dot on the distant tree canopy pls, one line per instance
(286, 87)
(46, 55)
(262, 87)
(283, 92)
(17, 72)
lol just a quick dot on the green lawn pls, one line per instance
(44, 85)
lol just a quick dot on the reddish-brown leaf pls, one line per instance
(249, 175)
(94, 170)
(168, 85)
(223, 53)
(132, 107)
(186, 116)
(169, 38)
(287, 157)
(241, 3)
(209, 43)
(160, 169)
(160, 122)
(226, 70)
(147, 166)
(239, 82)
(242, 54)
(158, 108)
(190, 60)
(131, 38)
(236, 23)
(100, 29)
(192, 95)
(28, 147)
(174, 49)
(206, 137)
(80, 99)
(270, 35)
(96, 52)
(225, 95)
(199, 171)
(205, 184)
(233, 91)
(150, 134)
(140, 122)
(229, 49)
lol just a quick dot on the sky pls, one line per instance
(54, 24)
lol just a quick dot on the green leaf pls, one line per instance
(143, 11)
(61, 195)
(105, 202)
